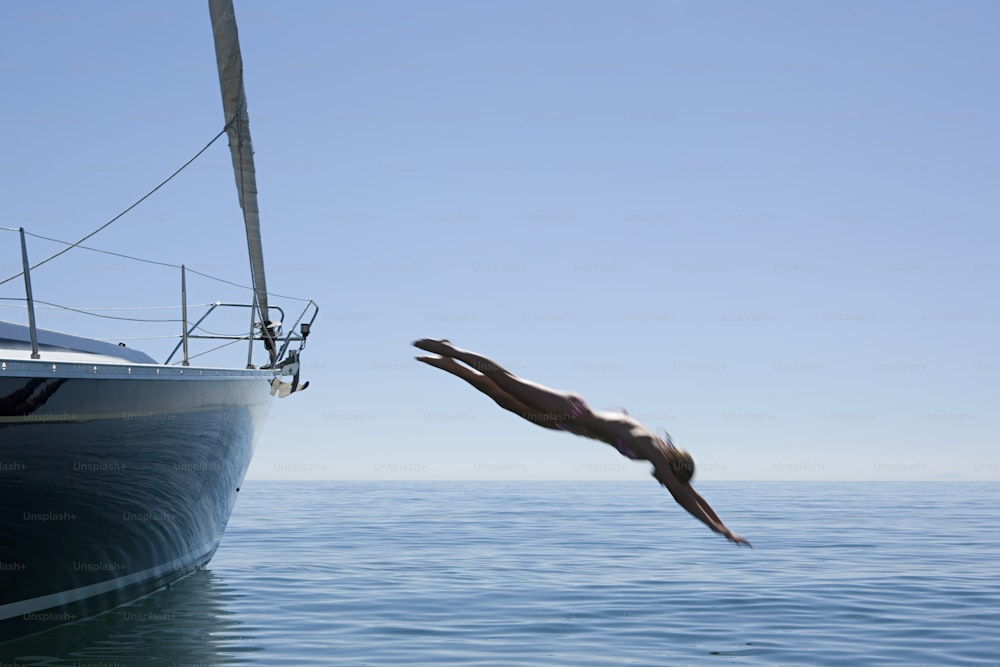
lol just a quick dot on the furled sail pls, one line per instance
(234, 103)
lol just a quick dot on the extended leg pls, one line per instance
(488, 387)
(538, 397)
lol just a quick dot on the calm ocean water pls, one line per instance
(565, 573)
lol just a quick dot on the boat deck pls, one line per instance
(15, 344)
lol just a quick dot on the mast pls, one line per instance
(234, 104)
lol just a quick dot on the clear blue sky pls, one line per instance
(771, 228)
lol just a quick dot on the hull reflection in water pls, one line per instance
(188, 624)
(115, 486)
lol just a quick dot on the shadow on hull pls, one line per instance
(113, 488)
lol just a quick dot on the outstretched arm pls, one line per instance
(687, 498)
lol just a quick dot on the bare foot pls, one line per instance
(446, 364)
(442, 347)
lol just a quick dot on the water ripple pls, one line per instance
(542, 574)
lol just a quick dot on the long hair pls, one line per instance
(681, 463)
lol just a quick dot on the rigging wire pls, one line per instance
(120, 215)
(83, 311)
(103, 252)
(78, 244)
(138, 259)
(218, 347)
(48, 305)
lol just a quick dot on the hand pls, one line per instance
(736, 539)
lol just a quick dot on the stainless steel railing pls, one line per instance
(272, 332)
